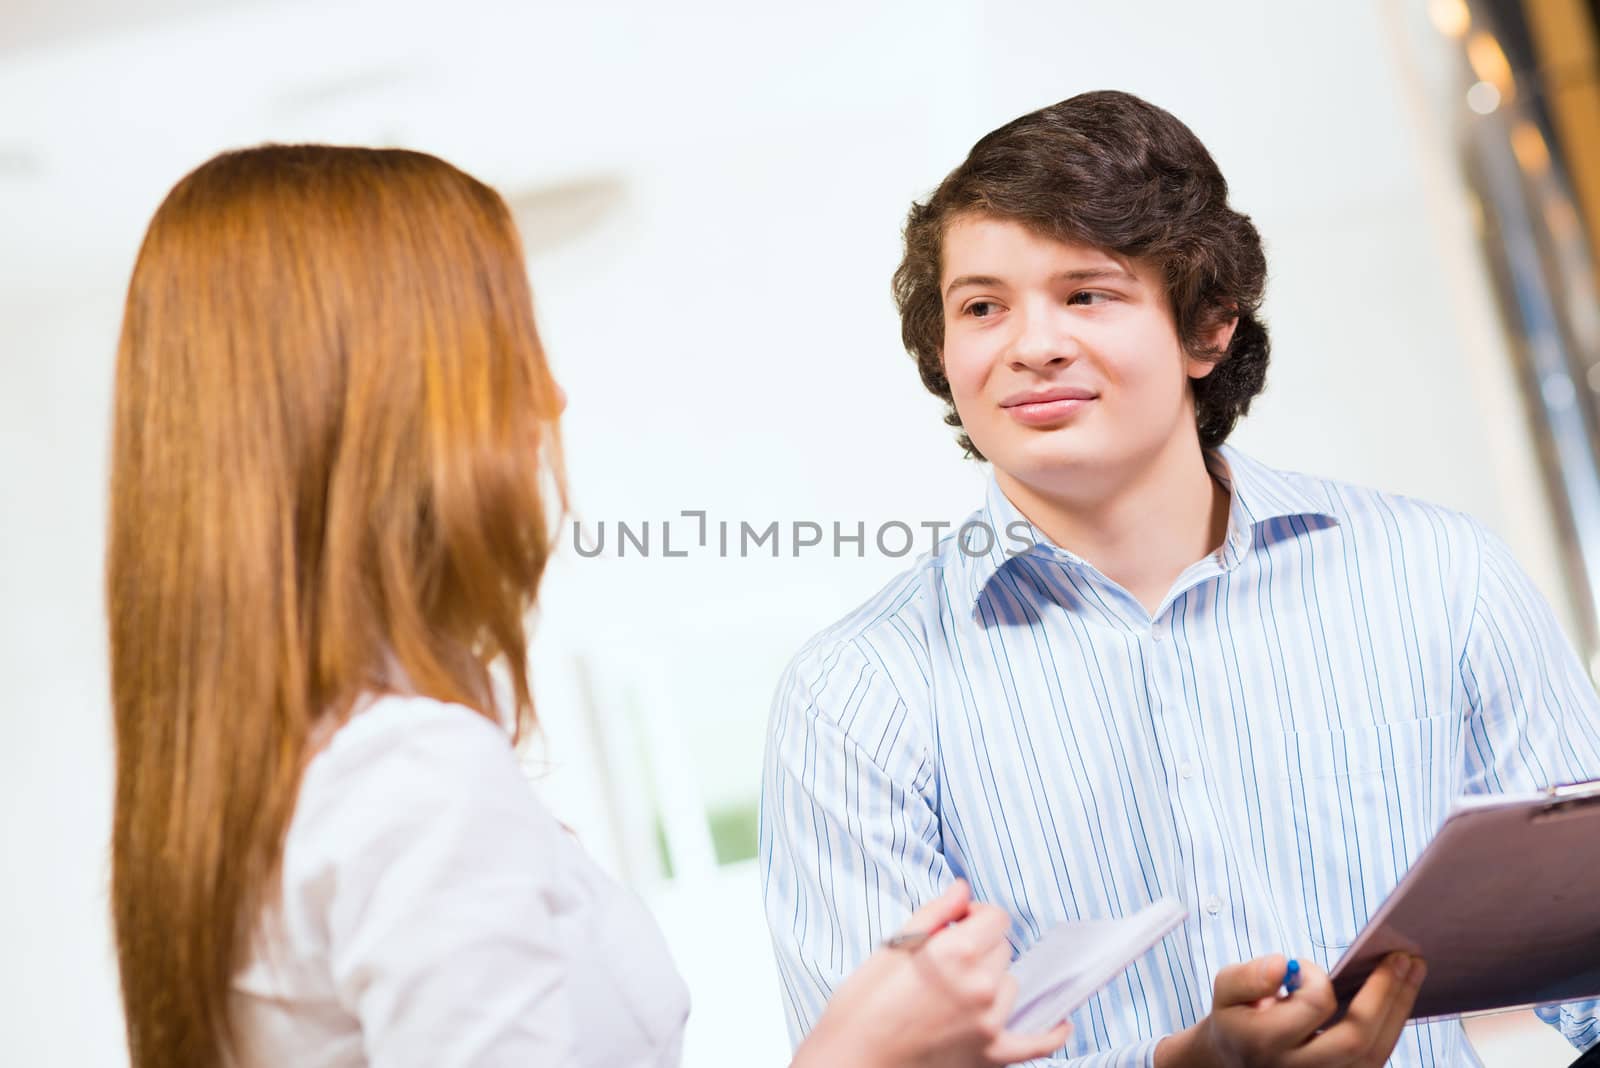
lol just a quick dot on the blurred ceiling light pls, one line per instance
(1489, 63)
(1528, 145)
(315, 97)
(553, 215)
(1483, 98)
(1450, 17)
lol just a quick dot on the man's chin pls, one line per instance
(1044, 457)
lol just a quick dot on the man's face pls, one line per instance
(1063, 360)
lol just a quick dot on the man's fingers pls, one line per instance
(1400, 1009)
(1275, 1024)
(1311, 1005)
(1376, 1016)
(1378, 995)
(1247, 983)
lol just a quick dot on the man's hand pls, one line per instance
(1251, 1026)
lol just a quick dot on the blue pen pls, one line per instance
(1291, 979)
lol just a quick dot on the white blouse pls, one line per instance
(435, 913)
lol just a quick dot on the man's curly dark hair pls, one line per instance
(1112, 171)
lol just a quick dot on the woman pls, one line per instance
(335, 470)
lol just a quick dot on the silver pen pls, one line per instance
(907, 940)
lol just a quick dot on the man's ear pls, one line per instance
(1217, 341)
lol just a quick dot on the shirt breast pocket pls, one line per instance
(1354, 807)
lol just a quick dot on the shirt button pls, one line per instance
(1158, 631)
(1213, 904)
(1186, 770)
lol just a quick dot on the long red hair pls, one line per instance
(333, 462)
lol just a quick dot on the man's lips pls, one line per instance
(1047, 407)
(1045, 396)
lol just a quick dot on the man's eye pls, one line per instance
(981, 309)
(1089, 296)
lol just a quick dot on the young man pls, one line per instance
(1254, 691)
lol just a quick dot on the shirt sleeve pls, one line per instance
(1138, 1055)
(849, 840)
(441, 912)
(1533, 716)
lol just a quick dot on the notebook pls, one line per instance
(1502, 904)
(1059, 972)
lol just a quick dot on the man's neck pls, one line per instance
(1141, 528)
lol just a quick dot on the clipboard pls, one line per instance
(1503, 904)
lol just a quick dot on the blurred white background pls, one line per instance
(712, 196)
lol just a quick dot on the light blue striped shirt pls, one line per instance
(1274, 747)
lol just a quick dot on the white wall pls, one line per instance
(723, 327)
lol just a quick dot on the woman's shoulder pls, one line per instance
(388, 730)
(403, 763)
(407, 736)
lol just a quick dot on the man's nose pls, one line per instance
(1044, 338)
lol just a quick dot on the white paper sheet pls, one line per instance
(1059, 972)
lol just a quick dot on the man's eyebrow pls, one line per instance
(1082, 274)
(1092, 274)
(972, 280)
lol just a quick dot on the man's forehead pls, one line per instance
(966, 236)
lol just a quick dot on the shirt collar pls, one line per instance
(1257, 493)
